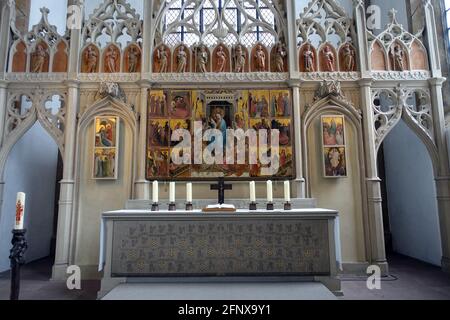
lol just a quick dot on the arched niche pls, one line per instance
(158, 56)
(329, 192)
(221, 59)
(327, 50)
(90, 59)
(240, 50)
(344, 51)
(40, 57)
(111, 59)
(19, 60)
(92, 197)
(397, 45)
(60, 58)
(132, 58)
(378, 58)
(259, 49)
(196, 58)
(419, 57)
(305, 51)
(176, 52)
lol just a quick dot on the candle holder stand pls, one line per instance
(270, 206)
(287, 206)
(16, 257)
(253, 206)
(189, 206)
(172, 206)
(155, 207)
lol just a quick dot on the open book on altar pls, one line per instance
(220, 208)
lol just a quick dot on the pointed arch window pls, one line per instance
(202, 22)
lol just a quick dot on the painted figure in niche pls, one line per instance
(335, 163)
(199, 109)
(280, 54)
(308, 57)
(333, 131)
(111, 60)
(105, 133)
(104, 163)
(39, 57)
(349, 58)
(260, 59)
(217, 121)
(133, 59)
(162, 59)
(329, 58)
(239, 59)
(202, 59)
(181, 60)
(398, 57)
(91, 59)
(259, 105)
(221, 59)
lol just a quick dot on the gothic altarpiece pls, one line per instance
(125, 82)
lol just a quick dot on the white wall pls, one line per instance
(411, 195)
(31, 168)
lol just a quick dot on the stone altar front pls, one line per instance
(141, 246)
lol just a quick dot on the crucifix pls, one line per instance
(221, 187)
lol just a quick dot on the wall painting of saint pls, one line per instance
(106, 147)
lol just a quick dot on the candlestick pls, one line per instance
(20, 211)
(172, 206)
(189, 193)
(155, 192)
(172, 192)
(189, 206)
(16, 257)
(252, 192)
(253, 206)
(287, 191)
(270, 206)
(269, 192)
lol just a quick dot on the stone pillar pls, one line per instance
(5, 13)
(361, 32)
(299, 187)
(3, 107)
(147, 45)
(443, 171)
(67, 185)
(142, 186)
(432, 39)
(292, 38)
(377, 252)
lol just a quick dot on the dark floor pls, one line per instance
(410, 280)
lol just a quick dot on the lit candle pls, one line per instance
(252, 192)
(287, 191)
(20, 211)
(155, 192)
(189, 192)
(269, 191)
(172, 192)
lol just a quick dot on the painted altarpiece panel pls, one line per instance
(334, 146)
(106, 148)
(169, 110)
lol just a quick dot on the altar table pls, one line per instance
(145, 246)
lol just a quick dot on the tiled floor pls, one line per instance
(411, 279)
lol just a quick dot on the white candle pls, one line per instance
(269, 191)
(172, 192)
(287, 191)
(189, 192)
(252, 192)
(155, 192)
(20, 211)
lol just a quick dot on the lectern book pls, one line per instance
(220, 208)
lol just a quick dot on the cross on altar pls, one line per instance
(221, 187)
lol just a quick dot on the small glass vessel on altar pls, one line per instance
(220, 208)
